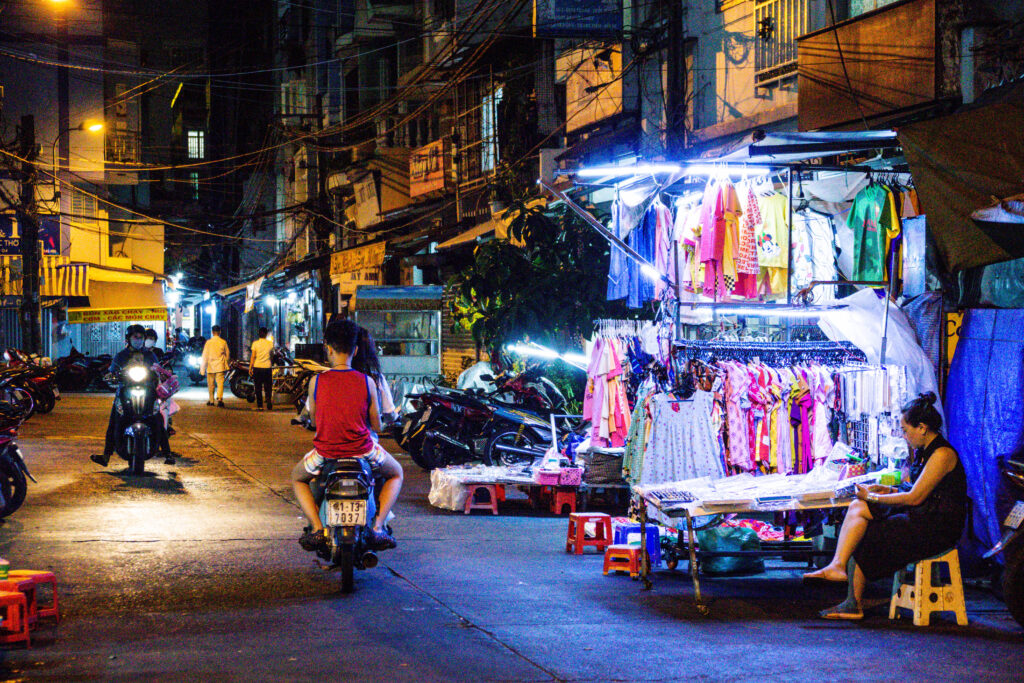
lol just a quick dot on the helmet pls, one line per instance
(134, 329)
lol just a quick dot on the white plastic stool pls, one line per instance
(925, 595)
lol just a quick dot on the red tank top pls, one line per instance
(342, 414)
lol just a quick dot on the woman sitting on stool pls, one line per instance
(887, 528)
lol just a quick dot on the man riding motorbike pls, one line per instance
(135, 351)
(344, 406)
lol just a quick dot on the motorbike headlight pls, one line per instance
(137, 373)
(193, 361)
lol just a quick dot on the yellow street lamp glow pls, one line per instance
(93, 127)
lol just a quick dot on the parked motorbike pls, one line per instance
(345, 494)
(14, 474)
(291, 378)
(450, 426)
(1012, 543)
(37, 379)
(138, 410)
(529, 390)
(78, 372)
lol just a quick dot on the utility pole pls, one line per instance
(31, 333)
(676, 80)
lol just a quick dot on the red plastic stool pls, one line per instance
(577, 537)
(26, 587)
(14, 628)
(500, 489)
(491, 504)
(622, 558)
(563, 495)
(41, 578)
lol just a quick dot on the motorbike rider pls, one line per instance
(344, 406)
(135, 352)
(150, 343)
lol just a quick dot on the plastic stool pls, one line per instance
(925, 595)
(563, 496)
(41, 578)
(14, 607)
(626, 533)
(622, 558)
(577, 537)
(26, 587)
(471, 504)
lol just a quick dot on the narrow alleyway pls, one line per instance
(194, 570)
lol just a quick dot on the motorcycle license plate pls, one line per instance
(1016, 516)
(346, 512)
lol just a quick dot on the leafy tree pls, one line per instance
(546, 283)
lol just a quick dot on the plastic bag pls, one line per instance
(446, 492)
(723, 538)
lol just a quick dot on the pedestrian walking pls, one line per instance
(214, 364)
(261, 369)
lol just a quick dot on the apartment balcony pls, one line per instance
(887, 62)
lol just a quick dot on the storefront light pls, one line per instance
(270, 301)
(778, 311)
(668, 169)
(211, 309)
(292, 296)
(538, 351)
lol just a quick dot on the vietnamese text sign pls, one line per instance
(359, 258)
(428, 168)
(116, 315)
(11, 230)
(577, 18)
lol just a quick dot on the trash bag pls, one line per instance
(722, 539)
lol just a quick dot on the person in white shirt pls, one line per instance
(261, 369)
(214, 364)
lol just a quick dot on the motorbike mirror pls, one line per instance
(487, 378)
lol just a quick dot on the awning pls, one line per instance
(472, 235)
(416, 298)
(960, 163)
(121, 302)
(58, 276)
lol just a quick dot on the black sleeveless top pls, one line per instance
(948, 500)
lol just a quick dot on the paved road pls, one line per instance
(194, 571)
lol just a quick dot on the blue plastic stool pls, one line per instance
(630, 533)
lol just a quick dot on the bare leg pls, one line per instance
(392, 472)
(300, 485)
(850, 534)
(852, 607)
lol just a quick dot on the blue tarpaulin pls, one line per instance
(985, 409)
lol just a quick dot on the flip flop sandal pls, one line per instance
(835, 614)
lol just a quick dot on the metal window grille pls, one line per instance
(196, 144)
(777, 24)
(82, 205)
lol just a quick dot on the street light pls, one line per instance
(88, 126)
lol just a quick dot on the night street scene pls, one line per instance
(512, 340)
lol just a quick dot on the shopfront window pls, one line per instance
(403, 333)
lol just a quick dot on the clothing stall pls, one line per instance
(749, 393)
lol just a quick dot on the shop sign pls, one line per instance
(11, 230)
(428, 168)
(593, 88)
(348, 282)
(360, 258)
(116, 315)
(577, 18)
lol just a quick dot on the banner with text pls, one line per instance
(116, 315)
(11, 230)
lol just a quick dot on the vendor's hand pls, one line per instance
(862, 492)
(880, 488)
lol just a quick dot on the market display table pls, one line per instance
(691, 510)
(450, 486)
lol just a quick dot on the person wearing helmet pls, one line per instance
(151, 343)
(135, 351)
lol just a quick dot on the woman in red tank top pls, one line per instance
(343, 405)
